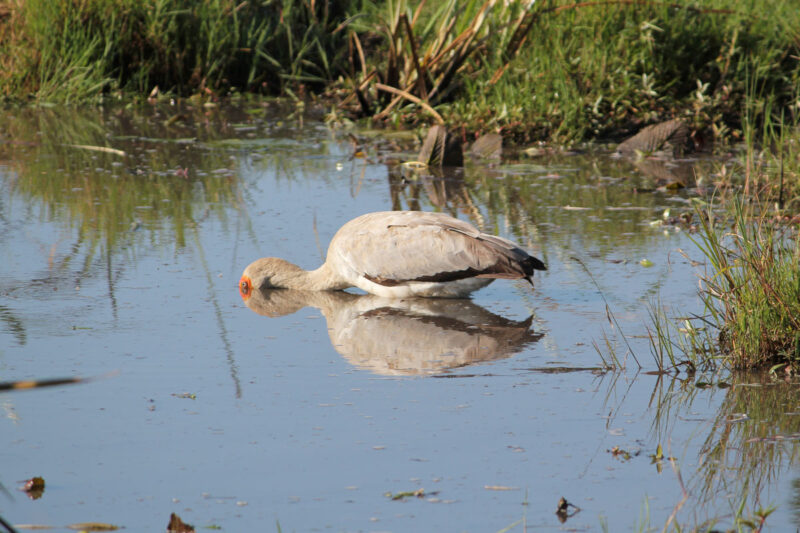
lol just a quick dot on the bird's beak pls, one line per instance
(245, 287)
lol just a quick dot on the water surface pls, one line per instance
(307, 410)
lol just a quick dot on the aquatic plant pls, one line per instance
(750, 292)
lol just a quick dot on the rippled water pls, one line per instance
(301, 412)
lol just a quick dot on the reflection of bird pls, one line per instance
(398, 254)
(411, 336)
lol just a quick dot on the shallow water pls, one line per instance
(303, 411)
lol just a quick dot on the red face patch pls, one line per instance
(245, 287)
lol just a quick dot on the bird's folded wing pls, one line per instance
(424, 247)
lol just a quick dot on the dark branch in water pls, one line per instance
(37, 384)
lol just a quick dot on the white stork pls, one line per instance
(401, 254)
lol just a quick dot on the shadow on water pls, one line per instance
(404, 337)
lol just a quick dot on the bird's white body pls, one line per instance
(400, 254)
(428, 289)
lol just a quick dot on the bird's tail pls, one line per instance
(529, 265)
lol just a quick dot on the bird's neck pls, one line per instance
(321, 279)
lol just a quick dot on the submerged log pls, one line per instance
(176, 525)
(441, 149)
(671, 137)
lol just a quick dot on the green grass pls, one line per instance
(605, 69)
(565, 72)
(425, 53)
(558, 71)
(750, 287)
(750, 290)
(75, 51)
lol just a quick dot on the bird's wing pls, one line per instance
(395, 247)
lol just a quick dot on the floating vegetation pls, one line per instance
(402, 495)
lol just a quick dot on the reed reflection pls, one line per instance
(748, 444)
(418, 336)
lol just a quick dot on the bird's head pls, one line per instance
(245, 287)
(266, 273)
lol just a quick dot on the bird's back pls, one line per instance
(403, 248)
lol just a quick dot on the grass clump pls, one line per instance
(750, 293)
(750, 289)
(421, 52)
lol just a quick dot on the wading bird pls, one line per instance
(400, 254)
